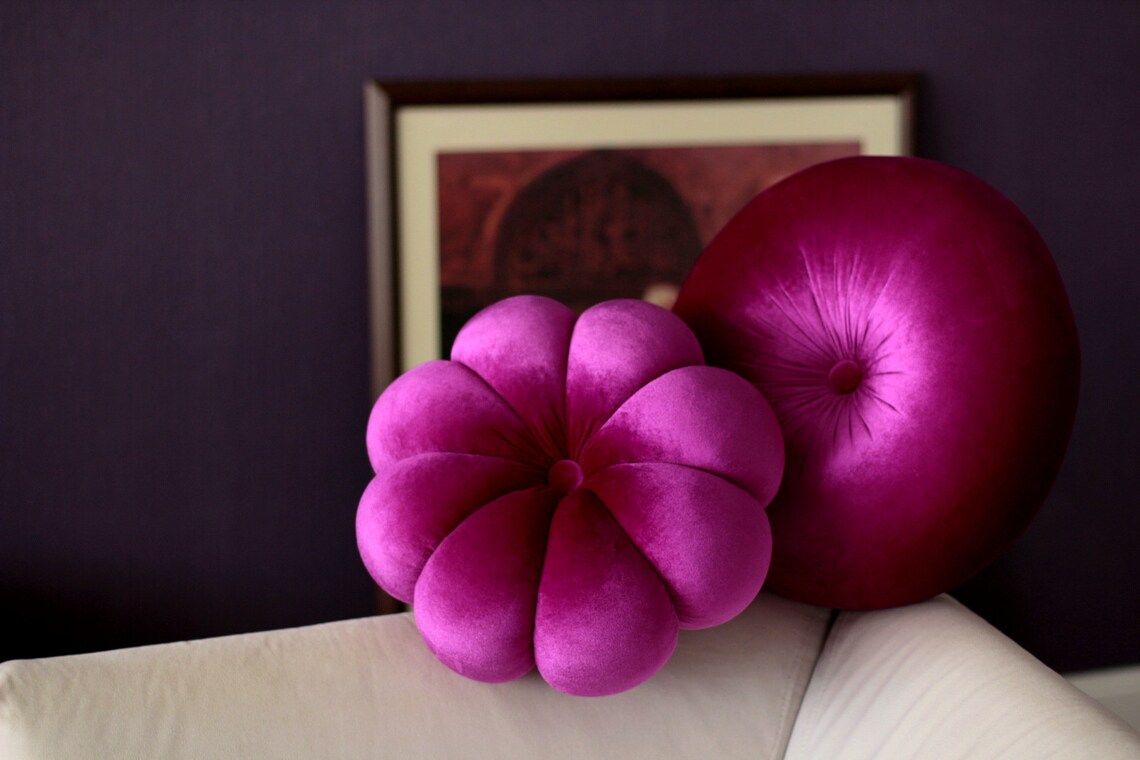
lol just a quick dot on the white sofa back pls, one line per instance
(781, 680)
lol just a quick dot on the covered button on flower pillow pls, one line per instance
(568, 492)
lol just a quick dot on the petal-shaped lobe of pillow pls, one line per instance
(604, 621)
(413, 504)
(708, 539)
(617, 347)
(475, 599)
(443, 406)
(519, 347)
(703, 417)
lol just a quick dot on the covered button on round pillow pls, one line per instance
(567, 492)
(914, 337)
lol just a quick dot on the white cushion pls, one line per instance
(369, 688)
(934, 681)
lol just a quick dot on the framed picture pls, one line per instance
(582, 190)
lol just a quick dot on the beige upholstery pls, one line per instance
(934, 681)
(369, 689)
(930, 681)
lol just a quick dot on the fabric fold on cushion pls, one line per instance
(482, 625)
(604, 621)
(703, 535)
(444, 407)
(694, 416)
(617, 347)
(408, 509)
(519, 347)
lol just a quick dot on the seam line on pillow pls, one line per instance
(673, 595)
(468, 516)
(538, 584)
(731, 481)
(595, 428)
(527, 434)
(566, 393)
(473, 454)
(652, 565)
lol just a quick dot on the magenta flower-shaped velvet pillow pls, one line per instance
(569, 491)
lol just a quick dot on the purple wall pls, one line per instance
(183, 352)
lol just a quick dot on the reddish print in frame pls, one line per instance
(584, 226)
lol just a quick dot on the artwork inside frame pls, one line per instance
(582, 190)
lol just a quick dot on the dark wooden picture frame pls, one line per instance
(417, 130)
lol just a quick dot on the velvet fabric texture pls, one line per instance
(911, 331)
(568, 492)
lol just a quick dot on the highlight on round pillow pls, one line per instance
(911, 330)
(568, 492)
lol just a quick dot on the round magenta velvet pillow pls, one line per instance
(569, 491)
(910, 329)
